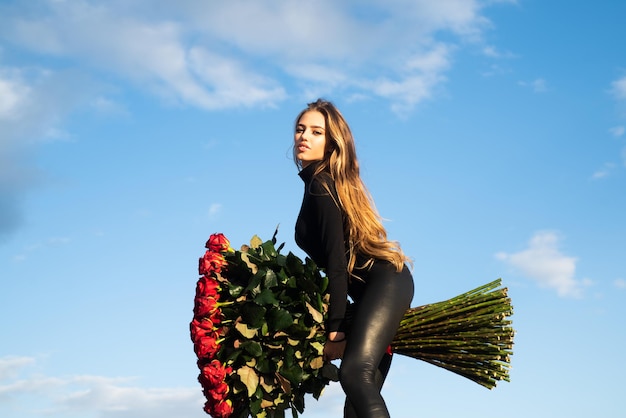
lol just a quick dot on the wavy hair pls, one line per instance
(364, 229)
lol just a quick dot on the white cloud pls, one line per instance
(421, 75)
(33, 103)
(36, 394)
(214, 210)
(617, 131)
(493, 52)
(11, 365)
(620, 283)
(603, 172)
(225, 54)
(34, 100)
(544, 263)
(538, 85)
(618, 88)
(231, 83)
(13, 92)
(96, 396)
(214, 55)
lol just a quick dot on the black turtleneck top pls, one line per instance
(320, 233)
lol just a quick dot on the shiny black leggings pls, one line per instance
(385, 297)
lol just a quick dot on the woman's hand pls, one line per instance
(335, 344)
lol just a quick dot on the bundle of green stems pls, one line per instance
(470, 334)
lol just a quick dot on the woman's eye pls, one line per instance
(317, 132)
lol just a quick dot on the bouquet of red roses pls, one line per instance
(258, 331)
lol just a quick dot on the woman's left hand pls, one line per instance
(333, 350)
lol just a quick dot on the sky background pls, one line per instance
(490, 133)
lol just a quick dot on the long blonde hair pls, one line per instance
(364, 229)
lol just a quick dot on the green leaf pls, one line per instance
(298, 331)
(293, 282)
(307, 286)
(298, 402)
(246, 258)
(255, 408)
(323, 284)
(279, 319)
(289, 356)
(235, 290)
(270, 279)
(248, 377)
(318, 347)
(255, 283)
(294, 264)
(281, 277)
(252, 347)
(317, 315)
(317, 363)
(245, 331)
(330, 372)
(265, 366)
(255, 242)
(268, 250)
(266, 297)
(253, 315)
(292, 373)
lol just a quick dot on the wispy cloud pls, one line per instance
(214, 55)
(620, 283)
(214, 210)
(225, 54)
(10, 366)
(97, 396)
(538, 85)
(617, 131)
(33, 102)
(37, 394)
(618, 88)
(544, 263)
(493, 52)
(603, 172)
(39, 246)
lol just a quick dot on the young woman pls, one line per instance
(339, 228)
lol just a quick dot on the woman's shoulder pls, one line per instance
(322, 184)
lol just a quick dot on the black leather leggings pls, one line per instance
(382, 302)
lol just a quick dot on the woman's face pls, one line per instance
(310, 137)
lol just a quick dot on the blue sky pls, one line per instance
(492, 135)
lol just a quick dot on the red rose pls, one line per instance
(205, 306)
(206, 346)
(213, 373)
(211, 262)
(207, 286)
(218, 392)
(218, 243)
(223, 409)
(202, 327)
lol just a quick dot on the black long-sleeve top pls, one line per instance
(320, 233)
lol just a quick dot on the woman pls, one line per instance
(339, 228)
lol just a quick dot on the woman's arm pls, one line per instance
(329, 220)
